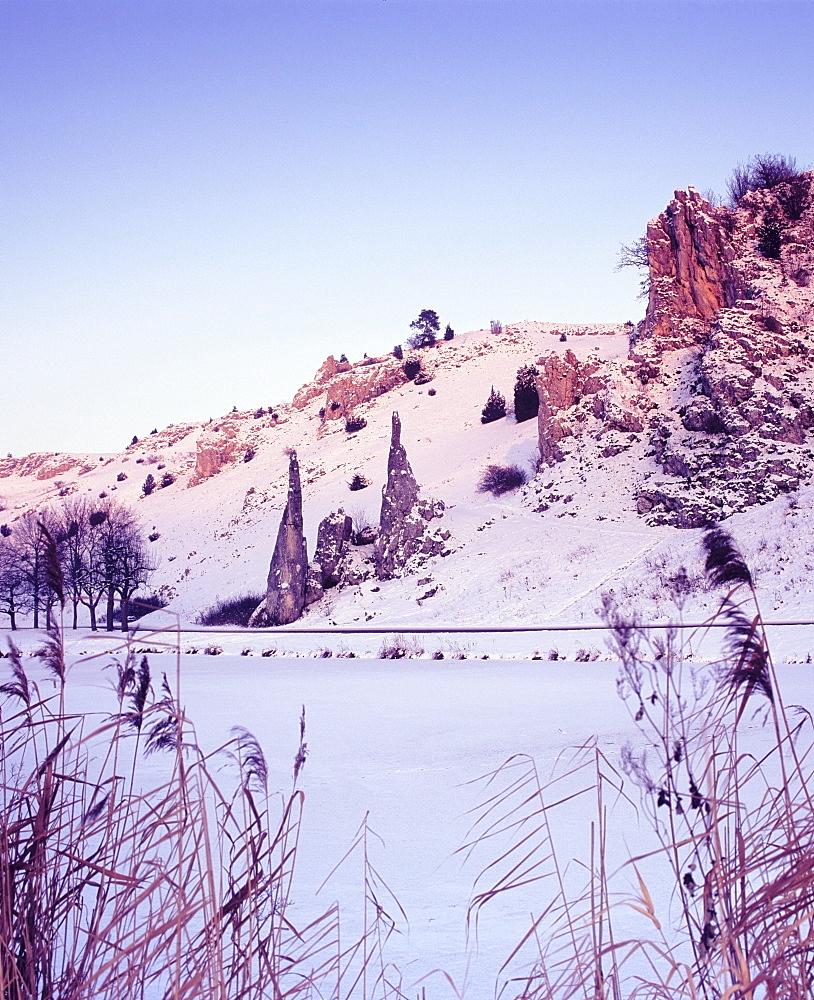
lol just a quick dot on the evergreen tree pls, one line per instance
(526, 397)
(495, 408)
(427, 326)
(149, 485)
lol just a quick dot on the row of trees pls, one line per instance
(102, 553)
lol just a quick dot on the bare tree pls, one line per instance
(31, 546)
(635, 254)
(13, 591)
(766, 170)
(120, 561)
(73, 530)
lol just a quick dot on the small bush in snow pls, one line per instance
(398, 353)
(400, 648)
(411, 367)
(495, 326)
(353, 424)
(121, 477)
(154, 536)
(430, 392)
(495, 408)
(249, 455)
(149, 485)
(795, 197)
(235, 611)
(213, 650)
(449, 333)
(358, 482)
(770, 239)
(499, 479)
(167, 479)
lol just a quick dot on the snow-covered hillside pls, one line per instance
(702, 413)
(542, 554)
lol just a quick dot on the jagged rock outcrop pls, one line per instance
(406, 536)
(329, 368)
(217, 446)
(365, 381)
(47, 465)
(286, 590)
(345, 386)
(716, 398)
(562, 383)
(333, 542)
(693, 270)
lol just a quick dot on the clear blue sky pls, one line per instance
(201, 200)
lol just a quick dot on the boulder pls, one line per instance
(333, 540)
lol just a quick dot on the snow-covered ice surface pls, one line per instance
(402, 742)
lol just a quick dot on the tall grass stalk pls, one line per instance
(719, 905)
(128, 870)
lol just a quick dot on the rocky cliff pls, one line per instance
(718, 388)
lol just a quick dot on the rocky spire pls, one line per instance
(285, 595)
(404, 524)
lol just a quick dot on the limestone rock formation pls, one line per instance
(563, 382)
(217, 446)
(405, 533)
(716, 399)
(44, 465)
(367, 380)
(693, 270)
(345, 386)
(328, 369)
(285, 593)
(333, 541)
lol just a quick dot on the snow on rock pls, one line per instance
(405, 538)
(285, 597)
(333, 541)
(719, 378)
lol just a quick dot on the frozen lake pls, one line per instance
(401, 741)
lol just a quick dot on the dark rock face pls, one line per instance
(285, 594)
(405, 537)
(333, 540)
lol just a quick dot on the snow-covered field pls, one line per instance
(402, 743)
